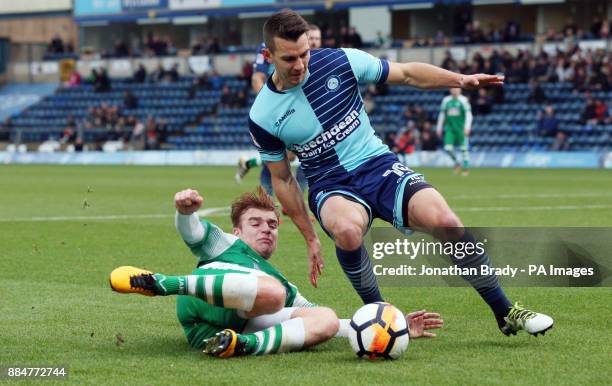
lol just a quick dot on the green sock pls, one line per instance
(251, 342)
(466, 159)
(451, 153)
(170, 285)
(252, 162)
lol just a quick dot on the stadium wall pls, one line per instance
(589, 160)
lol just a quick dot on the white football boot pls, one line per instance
(520, 318)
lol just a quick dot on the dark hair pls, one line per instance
(258, 199)
(285, 24)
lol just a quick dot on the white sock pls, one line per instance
(285, 337)
(345, 324)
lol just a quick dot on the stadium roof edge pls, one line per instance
(25, 15)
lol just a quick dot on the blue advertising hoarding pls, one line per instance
(139, 5)
(96, 7)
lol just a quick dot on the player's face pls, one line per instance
(314, 38)
(259, 230)
(455, 92)
(291, 60)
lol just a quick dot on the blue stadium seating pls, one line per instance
(511, 126)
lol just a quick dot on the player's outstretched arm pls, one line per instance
(291, 197)
(187, 203)
(427, 76)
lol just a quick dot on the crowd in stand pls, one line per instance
(585, 70)
(57, 47)
(137, 134)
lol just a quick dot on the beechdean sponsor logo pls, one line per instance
(328, 139)
(280, 120)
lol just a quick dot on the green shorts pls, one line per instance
(454, 137)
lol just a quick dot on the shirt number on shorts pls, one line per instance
(397, 168)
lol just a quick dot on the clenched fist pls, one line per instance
(188, 201)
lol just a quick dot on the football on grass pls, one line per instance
(378, 330)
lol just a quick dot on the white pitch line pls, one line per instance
(527, 195)
(224, 211)
(208, 212)
(529, 208)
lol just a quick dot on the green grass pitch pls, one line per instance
(57, 250)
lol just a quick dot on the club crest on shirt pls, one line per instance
(332, 83)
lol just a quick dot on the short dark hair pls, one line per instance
(285, 24)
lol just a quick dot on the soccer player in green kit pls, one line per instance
(235, 302)
(456, 119)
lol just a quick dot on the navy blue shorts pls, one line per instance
(383, 185)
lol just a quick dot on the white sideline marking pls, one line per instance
(526, 195)
(208, 212)
(224, 211)
(528, 208)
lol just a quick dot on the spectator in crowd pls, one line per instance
(429, 139)
(390, 141)
(140, 75)
(563, 71)
(354, 38)
(137, 137)
(74, 80)
(121, 49)
(79, 144)
(5, 129)
(448, 63)
(407, 139)
(151, 134)
(228, 98)
(329, 38)
(101, 81)
(172, 75)
(595, 111)
(482, 104)
(548, 124)
(213, 46)
(536, 92)
(170, 48)
(242, 99)
(198, 48)
(130, 101)
(69, 134)
(158, 75)
(56, 46)
(381, 40)
(247, 72)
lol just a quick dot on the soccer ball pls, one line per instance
(378, 330)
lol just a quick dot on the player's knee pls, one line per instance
(329, 323)
(447, 219)
(348, 236)
(271, 296)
